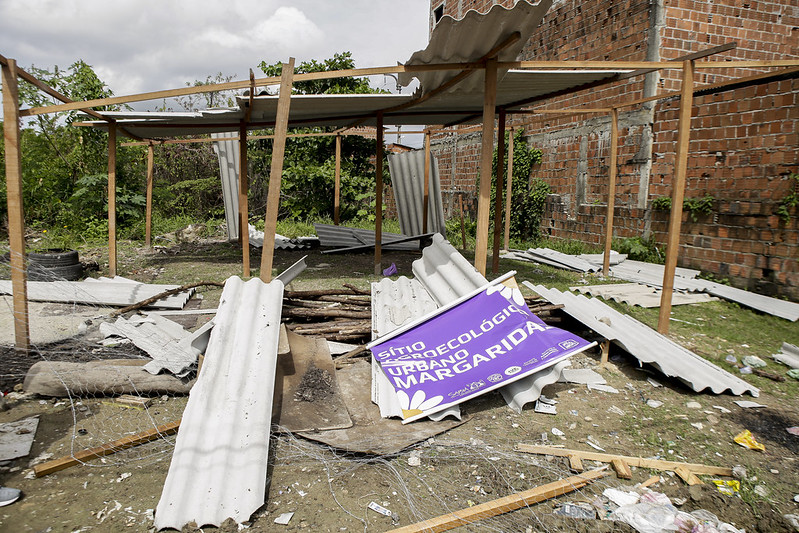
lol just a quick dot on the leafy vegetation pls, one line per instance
(640, 249)
(791, 200)
(694, 206)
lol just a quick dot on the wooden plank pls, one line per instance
(696, 55)
(250, 137)
(687, 476)
(106, 449)
(112, 200)
(677, 194)
(463, 223)
(500, 186)
(614, 141)
(276, 170)
(637, 462)
(503, 505)
(509, 190)
(130, 399)
(379, 196)
(14, 202)
(148, 216)
(244, 207)
(575, 463)
(651, 481)
(622, 469)
(426, 200)
(337, 185)
(486, 155)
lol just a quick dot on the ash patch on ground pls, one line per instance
(316, 385)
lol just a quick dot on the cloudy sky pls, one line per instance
(145, 45)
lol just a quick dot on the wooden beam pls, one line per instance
(16, 217)
(463, 222)
(337, 185)
(148, 216)
(677, 194)
(276, 170)
(112, 200)
(503, 505)
(500, 186)
(244, 207)
(622, 468)
(250, 137)
(509, 190)
(379, 197)
(426, 200)
(614, 140)
(687, 475)
(108, 448)
(638, 462)
(689, 57)
(486, 153)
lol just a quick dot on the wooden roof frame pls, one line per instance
(489, 63)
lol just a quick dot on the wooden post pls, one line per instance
(463, 223)
(678, 191)
(244, 207)
(112, 199)
(509, 190)
(426, 201)
(276, 170)
(500, 185)
(614, 141)
(16, 218)
(486, 153)
(337, 186)
(379, 196)
(148, 217)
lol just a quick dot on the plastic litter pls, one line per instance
(658, 518)
(621, 497)
(730, 487)
(754, 361)
(284, 519)
(576, 511)
(391, 270)
(747, 440)
(731, 359)
(9, 495)
(558, 433)
(654, 403)
(794, 373)
(793, 430)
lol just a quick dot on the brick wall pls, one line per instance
(743, 142)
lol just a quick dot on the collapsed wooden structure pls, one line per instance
(431, 105)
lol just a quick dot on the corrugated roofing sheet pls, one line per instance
(96, 292)
(227, 151)
(342, 237)
(219, 465)
(407, 180)
(640, 295)
(646, 344)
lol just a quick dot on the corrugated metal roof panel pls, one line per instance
(219, 465)
(641, 295)
(227, 151)
(119, 294)
(647, 345)
(445, 273)
(407, 179)
(342, 237)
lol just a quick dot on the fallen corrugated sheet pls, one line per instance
(16, 438)
(219, 465)
(288, 275)
(281, 242)
(598, 259)
(407, 179)
(116, 293)
(640, 295)
(647, 345)
(387, 243)
(684, 280)
(342, 237)
(172, 348)
(227, 150)
(788, 356)
(553, 258)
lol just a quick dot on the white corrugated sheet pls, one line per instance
(553, 258)
(227, 151)
(641, 295)
(407, 180)
(219, 465)
(101, 292)
(646, 344)
(344, 237)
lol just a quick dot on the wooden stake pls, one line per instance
(379, 196)
(276, 171)
(463, 223)
(16, 218)
(614, 140)
(337, 185)
(509, 191)
(603, 358)
(244, 207)
(426, 201)
(148, 216)
(106, 449)
(503, 505)
(500, 186)
(678, 192)
(112, 200)
(575, 463)
(486, 153)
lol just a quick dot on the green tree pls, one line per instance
(339, 61)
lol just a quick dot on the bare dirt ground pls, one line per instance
(328, 490)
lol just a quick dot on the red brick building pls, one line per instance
(744, 140)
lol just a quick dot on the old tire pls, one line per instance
(53, 265)
(54, 258)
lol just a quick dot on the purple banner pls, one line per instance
(481, 344)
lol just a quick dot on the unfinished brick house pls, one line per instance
(744, 139)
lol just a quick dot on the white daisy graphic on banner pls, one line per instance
(416, 405)
(510, 293)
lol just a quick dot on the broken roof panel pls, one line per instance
(646, 344)
(227, 151)
(641, 295)
(95, 292)
(342, 237)
(407, 179)
(219, 466)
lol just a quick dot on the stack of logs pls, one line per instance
(345, 315)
